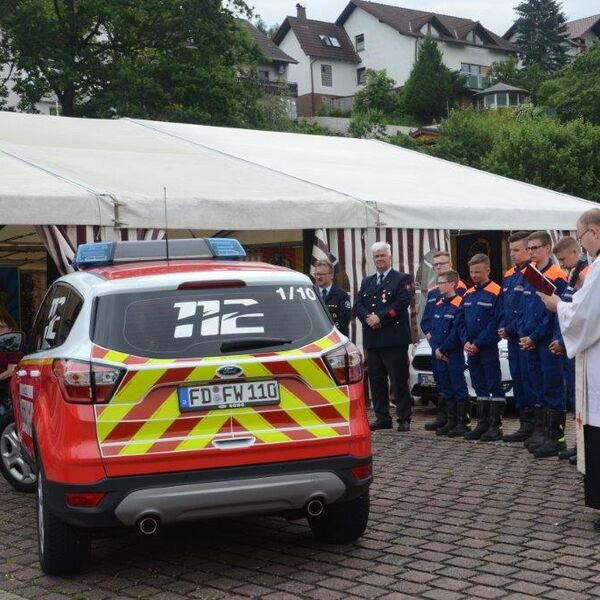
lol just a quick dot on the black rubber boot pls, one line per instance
(526, 418)
(494, 432)
(463, 420)
(483, 419)
(573, 460)
(441, 418)
(555, 438)
(565, 454)
(450, 418)
(538, 435)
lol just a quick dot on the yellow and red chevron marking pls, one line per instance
(143, 417)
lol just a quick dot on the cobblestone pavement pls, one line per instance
(450, 519)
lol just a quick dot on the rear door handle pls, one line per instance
(232, 443)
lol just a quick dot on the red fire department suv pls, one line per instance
(163, 390)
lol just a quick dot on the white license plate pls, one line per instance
(426, 380)
(228, 395)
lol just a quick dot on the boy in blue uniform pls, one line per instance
(441, 264)
(478, 321)
(568, 252)
(512, 293)
(536, 328)
(447, 353)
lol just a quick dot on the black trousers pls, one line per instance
(389, 365)
(591, 480)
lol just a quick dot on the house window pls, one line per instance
(429, 29)
(359, 42)
(263, 76)
(361, 76)
(326, 75)
(330, 40)
(501, 99)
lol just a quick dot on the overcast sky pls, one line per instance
(497, 15)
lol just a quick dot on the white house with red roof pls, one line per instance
(333, 57)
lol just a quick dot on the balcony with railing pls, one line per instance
(476, 82)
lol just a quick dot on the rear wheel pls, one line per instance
(343, 522)
(63, 549)
(13, 467)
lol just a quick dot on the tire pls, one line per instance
(63, 549)
(343, 522)
(13, 467)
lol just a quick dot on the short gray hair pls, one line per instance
(377, 246)
(590, 217)
(324, 263)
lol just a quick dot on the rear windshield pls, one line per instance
(194, 323)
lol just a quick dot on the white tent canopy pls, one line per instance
(64, 171)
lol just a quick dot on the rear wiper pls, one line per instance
(250, 343)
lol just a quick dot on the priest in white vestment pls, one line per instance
(580, 327)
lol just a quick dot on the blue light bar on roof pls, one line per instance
(226, 248)
(109, 253)
(97, 255)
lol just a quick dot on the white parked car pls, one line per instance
(423, 384)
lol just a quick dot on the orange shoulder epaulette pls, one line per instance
(510, 272)
(584, 272)
(461, 285)
(456, 300)
(493, 288)
(555, 272)
(470, 290)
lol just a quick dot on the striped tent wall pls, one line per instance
(350, 247)
(61, 241)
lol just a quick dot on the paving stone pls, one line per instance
(449, 519)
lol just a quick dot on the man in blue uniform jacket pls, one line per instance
(512, 292)
(447, 354)
(441, 263)
(335, 298)
(382, 307)
(478, 324)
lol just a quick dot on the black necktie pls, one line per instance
(324, 293)
(379, 278)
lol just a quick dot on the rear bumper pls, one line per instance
(178, 497)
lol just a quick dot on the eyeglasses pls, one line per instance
(322, 274)
(442, 282)
(441, 264)
(580, 237)
(534, 248)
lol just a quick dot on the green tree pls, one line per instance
(431, 87)
(378, 94)
(161, 59)
(542, 34)
(369, 124)
(507, 71)
(561, 156)
(575, 91)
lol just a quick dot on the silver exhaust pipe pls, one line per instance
(315, 507)
(148, 525)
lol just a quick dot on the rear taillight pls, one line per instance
(84, 382)
(345, 363)
(84, 499)
(363, 471)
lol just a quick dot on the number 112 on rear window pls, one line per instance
(293, 293)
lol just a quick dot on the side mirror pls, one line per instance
(12, 342)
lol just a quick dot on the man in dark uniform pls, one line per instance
(441, 263)
(382, 307)
(518, 362)
(335, 298)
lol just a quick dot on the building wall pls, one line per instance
(385, 48)
(299, 73)
(343, 77)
